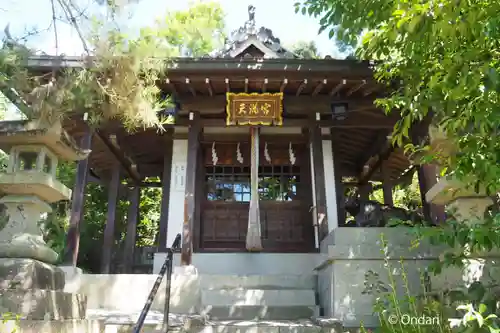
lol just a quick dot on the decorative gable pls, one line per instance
(250, 42)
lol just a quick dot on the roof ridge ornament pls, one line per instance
(263, 36)
(250, 24)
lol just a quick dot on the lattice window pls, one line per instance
(228, 183)
(279, 182)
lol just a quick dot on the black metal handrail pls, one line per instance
(166, 268)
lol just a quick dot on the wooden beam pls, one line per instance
(371, 90)
(356, 88)
(191, 188)
(209, 86)
(283, 84)
(360, 121)
(264, 85)
(318, 88)
(109, 230)
(228, 85)
(301, 87)
(165, 198)
(293, 104)
(377, 144)
(381, 158)
(130, 237)
(316, 144)
(124, 160)
(338, 87)
(72, 246)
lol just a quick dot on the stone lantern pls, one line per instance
(30, 285)
(468, 204)
(30, 184)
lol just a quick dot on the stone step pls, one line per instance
(123, 322)
(208, 282)
(51, 326)
(260, 297)
(259, 312)
(235, 326)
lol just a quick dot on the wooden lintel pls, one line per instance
(356, 88)
(301, 87)
(350, 122)
(246, 85)
(150, 184)
(264, 85)
(283, 84)
(338, 87)
(228, 85)
(209, 87)
(190, 87)
(123, 159)
(318, 88)
(292, 104)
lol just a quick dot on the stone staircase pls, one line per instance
(239, 304)
(250, 297)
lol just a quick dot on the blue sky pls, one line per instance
(277, 15)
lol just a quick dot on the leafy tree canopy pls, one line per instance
(445, 57)
(121, 84)
(305, 49)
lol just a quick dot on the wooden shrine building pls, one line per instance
(313, 127)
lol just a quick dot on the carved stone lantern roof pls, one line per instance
(26, 132)
(250, 42)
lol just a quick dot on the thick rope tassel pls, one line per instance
(253, 241)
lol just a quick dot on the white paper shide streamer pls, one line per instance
(291, 154)
(215, 158)
(239, 157)
(266, 154)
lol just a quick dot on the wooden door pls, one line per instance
(284, 191)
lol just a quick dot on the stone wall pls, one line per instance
(352, 252)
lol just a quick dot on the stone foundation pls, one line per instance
(34, 292)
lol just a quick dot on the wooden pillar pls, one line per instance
(339, 186)
(165, 198)
(364, 191)
(386, 186)
(191, 187)
(253, 238)
(109, 230)
(318, 174)
(72, 246)
(427, 177)
(130, 237)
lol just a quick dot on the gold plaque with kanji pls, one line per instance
(254, 109)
